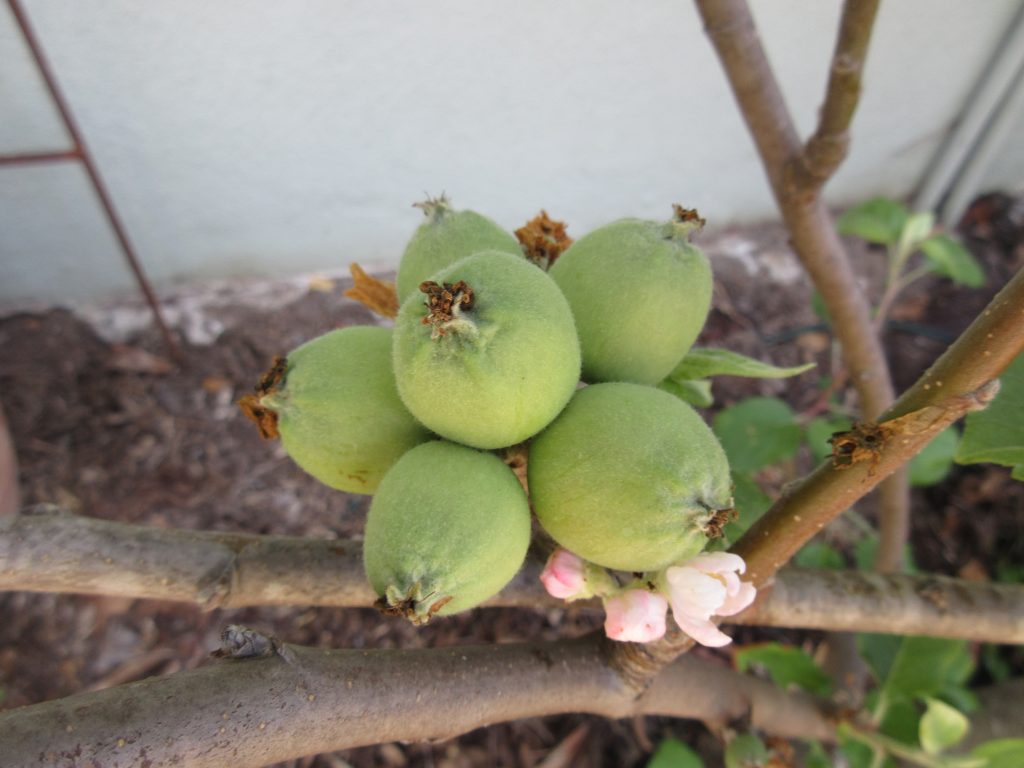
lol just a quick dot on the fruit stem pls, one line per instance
(445, 304)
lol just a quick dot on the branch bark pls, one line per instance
(299, 701)
(52, 551)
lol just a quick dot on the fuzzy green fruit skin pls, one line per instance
(627, 476)
(453, 521)
(509, 375)
(338, 411)
(640, 294)
(446, 237)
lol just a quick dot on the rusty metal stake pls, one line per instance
(80, 152)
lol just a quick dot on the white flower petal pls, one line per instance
(718, 562)
(737, 602)
(694, 593)
(704, 632)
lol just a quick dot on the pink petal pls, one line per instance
(703, 631)
(563, 574)
(737, 601)
(635, 615)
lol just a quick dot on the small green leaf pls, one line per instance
(817, 757)
(746, 751)
(672, 753)
(1001, 753)
(819, 430)
(879, 220)
(952, 260)
(857, 753)
(942, 726)
(750, 502)
(757, 432)
(820, 556)
(901, 722)
(786, 665)
(925, 666)
(700, 363)
(915, 229)
(696, 392)
(879, 651)
(996, 434)
(933, 463)
(997, 666)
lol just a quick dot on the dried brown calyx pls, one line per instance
(251, 405)
(862, 443)
(411, 606)
(685, 221)
(543, 239)
(445, 304)
(714, 528)
(379, 296)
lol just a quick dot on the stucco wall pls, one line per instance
(281, 137)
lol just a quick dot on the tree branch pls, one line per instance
(827, 147)
(59, 552)
(299, 701)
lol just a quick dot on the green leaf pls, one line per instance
(697, 392)
(819, 430)
(821, 556)
(746, 751)
(915, 229)
(1001, 753)
(942, 726)
(817, 757)
(925, 666)
(672, 753)
(901, 722)
(996, 434)
(879, 651)
(952, 260)
(879, 220)
(857, 753)
(865, 551)
(757, 432)
(994, 663)
(933, 463)
(750, 501)
(786, 665)
(700, 363)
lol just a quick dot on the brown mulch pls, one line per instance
(118, 432)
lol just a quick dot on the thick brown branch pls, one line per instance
(827, 148)
(301, 701)
(57, 552)
(813, 235)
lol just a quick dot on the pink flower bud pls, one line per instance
(563, 575)
(708, 585)
(636, 615)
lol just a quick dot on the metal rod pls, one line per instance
(81, 150)
(40, 157)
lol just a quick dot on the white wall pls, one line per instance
(250, 136)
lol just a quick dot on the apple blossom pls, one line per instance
(635, 615)
(708, 585)
(563, 575)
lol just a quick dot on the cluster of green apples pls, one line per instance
(490, 350)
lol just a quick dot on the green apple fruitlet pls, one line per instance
(629, 477)
(445, 237)
(447, 529)
(493, 356)
(334, 404)
(640, 293)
